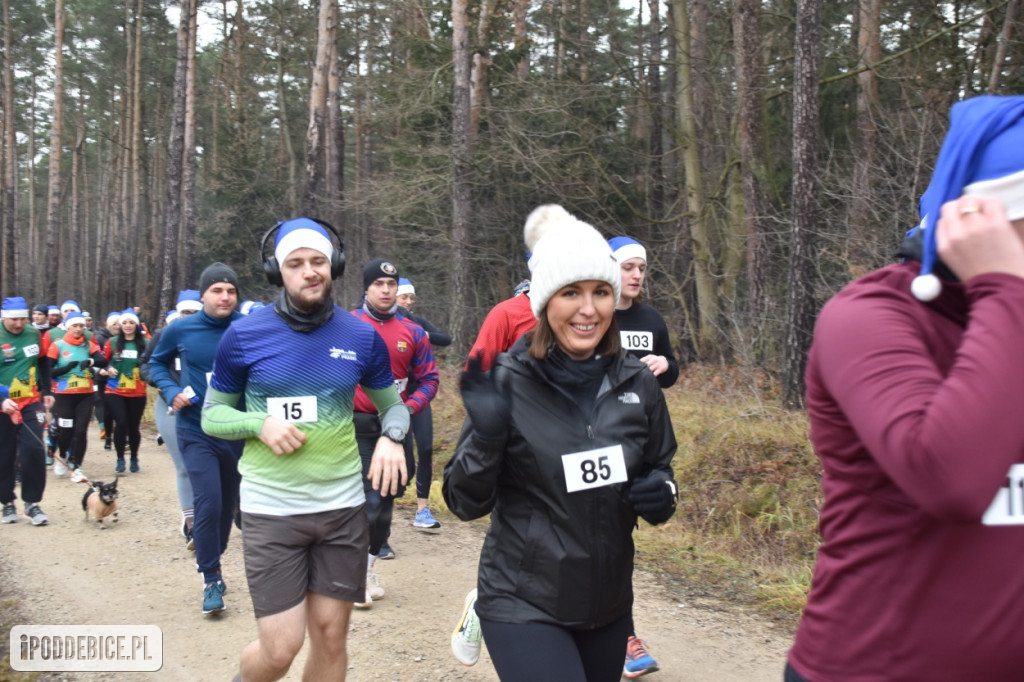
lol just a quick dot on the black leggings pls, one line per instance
(422, 430)
(72, 412)
(520, 651)
(127, 414)
(379, 508)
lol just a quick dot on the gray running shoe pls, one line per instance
(36, 515)
(10, 513)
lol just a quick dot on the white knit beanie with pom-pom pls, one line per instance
(565, 250)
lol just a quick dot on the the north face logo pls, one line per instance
(629, 398)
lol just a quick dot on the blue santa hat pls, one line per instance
(128, 314)
(980, 156)
(53, 310)
(301, 233)
(74, 317)
(69, 305)
(405, 287)
(171, 316)
(188, 299)
(625, 248)
(15, 306)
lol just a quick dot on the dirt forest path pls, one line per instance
(140, 573)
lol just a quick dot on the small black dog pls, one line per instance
(101, 500)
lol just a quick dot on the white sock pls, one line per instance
(370, 560)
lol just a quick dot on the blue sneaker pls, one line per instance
(425, 521)
(134, 466)
(119, 469)
(213, 598)
(386, 552)
(638, 661)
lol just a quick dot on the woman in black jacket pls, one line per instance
(567, 440)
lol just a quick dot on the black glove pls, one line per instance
(487, 406)
(654, 498)
(86, 364)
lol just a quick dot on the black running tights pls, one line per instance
(520, 651)
(127, 414)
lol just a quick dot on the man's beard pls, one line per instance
(313, 306)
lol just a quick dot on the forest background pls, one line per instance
(765, 152)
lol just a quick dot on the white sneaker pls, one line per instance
(77, 476)
(364, 604)
(373, 588)
(467, 636)
(58, 468)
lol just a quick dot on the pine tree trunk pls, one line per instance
(335, 134)
(175, 166)
(317, 113)
(749, 124)
(479, 75)
(139, 273)
(10, 282)
(1002, 46)
(51, 285)
(703, 259)
(520, 41)
(655, 172)
(869, 52)
(36, 249)
(461, 191)
(801, 307)
(188, 170)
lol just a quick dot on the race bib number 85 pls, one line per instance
(594, 468)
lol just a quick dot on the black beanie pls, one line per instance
(218, 272)
(41, 308)
(377, 268)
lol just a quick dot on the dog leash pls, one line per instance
(19, 420)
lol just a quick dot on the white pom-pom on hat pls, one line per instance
(926, 287)
(565, 249)
(541, 221)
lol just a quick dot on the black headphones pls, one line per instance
(272, 269)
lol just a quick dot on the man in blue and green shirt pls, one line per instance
(297, 364)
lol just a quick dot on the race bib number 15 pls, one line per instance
(594, 468)
(293, 409)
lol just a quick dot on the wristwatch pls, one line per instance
(395, 434)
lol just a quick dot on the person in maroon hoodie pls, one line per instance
(913, 384)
